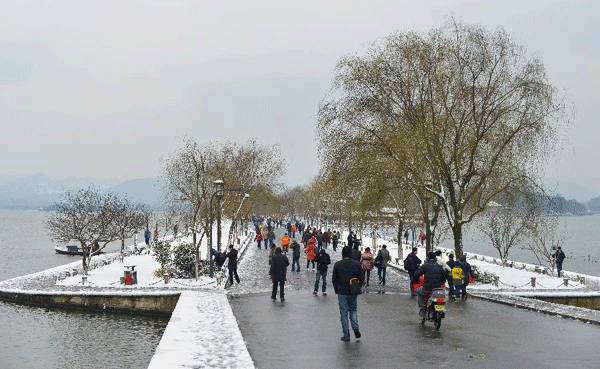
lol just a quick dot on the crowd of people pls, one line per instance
(354, 266)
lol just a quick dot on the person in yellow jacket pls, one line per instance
(285, 243)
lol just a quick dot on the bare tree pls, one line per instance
(463, 111)
(129, 218)
(85, 215)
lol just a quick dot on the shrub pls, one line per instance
(162, 253)
(183, 260)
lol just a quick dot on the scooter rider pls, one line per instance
(434, 277)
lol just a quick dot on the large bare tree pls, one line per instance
(463, 111)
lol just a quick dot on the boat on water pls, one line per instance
(73, 250)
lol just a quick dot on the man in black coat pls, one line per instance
(411, 264)
(232, 255)
(295, 256)
(323, 260)
(278, 272)
(434, 276)
(343, 271)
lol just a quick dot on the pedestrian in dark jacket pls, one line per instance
(323, 260)
(559, 257)
(232, 255)
(467, 272)
(343, 271)
(411, 264)
(350, 239)
(452, 264)
(295, 256)
(382, 270)
(278, 273)
(356, 254)
(434, 277)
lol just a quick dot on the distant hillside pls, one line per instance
(39, 191)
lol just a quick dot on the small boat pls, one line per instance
(73, 250)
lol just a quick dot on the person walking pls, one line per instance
(285, 243)
(278, 273)
(295, 255)
(309, 250)
(344, 271)
(232, 255)
(258, 239)
(559, 257)
(322, 260)
(385, 257)
(350, 239)
(367, 262)
(411, 265)
(356, 254)
(335, 237)
(147, 236)
(467, 275)
(454, 284)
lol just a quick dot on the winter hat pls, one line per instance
(463, 258)
(346, 252)
(278, 250)
(431, 255)
(322, 251)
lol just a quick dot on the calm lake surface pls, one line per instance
(33, 337)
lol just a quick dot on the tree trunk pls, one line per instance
(458, 246)
(400, 226)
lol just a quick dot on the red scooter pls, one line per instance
(435, 309)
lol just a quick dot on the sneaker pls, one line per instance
(273, 298)
(282, 299)
(324, 293)
(345, 339)
(315, 293)
(357, 333)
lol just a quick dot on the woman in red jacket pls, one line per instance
(310, 251)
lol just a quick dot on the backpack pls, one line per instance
(407, 263)
(457, 274)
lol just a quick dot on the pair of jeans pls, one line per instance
(381, 273)
(347, 305)
(558, 269)
(420, 293)
(281, 292)
(319, 276)
(296, 261)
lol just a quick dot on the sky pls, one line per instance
(106, 89)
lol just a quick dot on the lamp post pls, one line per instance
(219, 184)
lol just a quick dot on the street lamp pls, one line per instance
(219, 188)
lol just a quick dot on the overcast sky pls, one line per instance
(106, 88)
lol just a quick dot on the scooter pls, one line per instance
(435, 309)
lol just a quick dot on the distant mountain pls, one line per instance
(145, 190)
(39, 191)
(570, 190)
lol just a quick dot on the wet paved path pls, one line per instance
(304, 331)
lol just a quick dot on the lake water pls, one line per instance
(33, 337)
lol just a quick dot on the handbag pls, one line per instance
(355, 286)
(378, 260)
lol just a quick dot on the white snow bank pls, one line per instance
(202, 333)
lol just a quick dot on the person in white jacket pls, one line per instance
(442, 262)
